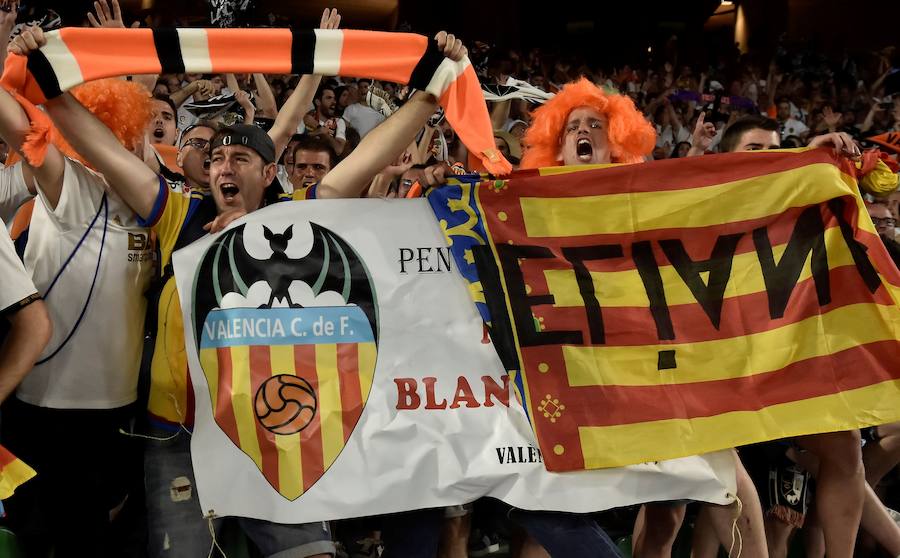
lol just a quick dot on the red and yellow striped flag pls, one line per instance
(673, 308)
(13, 472)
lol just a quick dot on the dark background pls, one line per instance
(602, 32)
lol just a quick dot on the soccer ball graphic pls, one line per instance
(285, 404)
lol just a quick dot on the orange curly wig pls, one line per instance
(123, 106)
(631, 137)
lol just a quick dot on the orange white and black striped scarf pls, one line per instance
(74, 55)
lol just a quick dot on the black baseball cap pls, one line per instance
(248, 136)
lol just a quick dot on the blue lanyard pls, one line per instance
(104, 207)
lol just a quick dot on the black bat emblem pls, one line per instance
(331, 265)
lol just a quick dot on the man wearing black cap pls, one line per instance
(242, 165)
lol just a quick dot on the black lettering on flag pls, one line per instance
(857, 249)
(521, 303)
(645, 262)
(710, 294)
(577, 257)
(780, 278)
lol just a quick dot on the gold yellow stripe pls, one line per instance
(551, 171)
(751, 198)
(242, 401)
(624, 288)
(12, 475)
(668, 439)
(366, 358)
(209, 361)
(736, 357)
(329, 403)
(290, 468)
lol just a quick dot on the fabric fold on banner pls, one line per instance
(672, 308)
(73, 56)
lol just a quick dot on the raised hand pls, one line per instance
(27, 41)
(205, 88)
(831, 118)
(331, 19)
(843, 144)
(704, 133)
(106, 17)
(400, 166)
(452, 47)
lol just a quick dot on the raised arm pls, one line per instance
(295, 107)
(124, 172)
(381, 146)
(264, 97)
(14, 127)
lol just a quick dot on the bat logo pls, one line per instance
(287, 344)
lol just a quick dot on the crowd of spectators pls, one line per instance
(690, 106)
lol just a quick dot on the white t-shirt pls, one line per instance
(363, 118)
(15, 283)
(13, 192)
(668, 135)
(793, 127)
(98, 367)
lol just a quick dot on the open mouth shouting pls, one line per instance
(229, 190)
(584, 149)
(158, 134)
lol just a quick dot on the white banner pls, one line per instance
(341, 370)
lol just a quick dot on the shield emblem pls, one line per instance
(288, 348)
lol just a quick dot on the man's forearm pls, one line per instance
(182, 95)
(292, 112)
(265, 98)
(29, 333)
(378, 149)
(124, 172)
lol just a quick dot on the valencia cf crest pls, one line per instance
(287, 329)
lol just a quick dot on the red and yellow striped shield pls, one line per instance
(673, 308)
(288, 385)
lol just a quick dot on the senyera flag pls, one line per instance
(672, 308)
(13, 472)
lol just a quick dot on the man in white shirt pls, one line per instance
(359, 115)
(331, 127)
(788, 125)
(24, 324)
(91, 262)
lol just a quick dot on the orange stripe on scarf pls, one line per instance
(102, 53)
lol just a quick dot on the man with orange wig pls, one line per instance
(584, 125)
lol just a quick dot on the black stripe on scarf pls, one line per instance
(303, 49)
(427, 66)
(43, 74)
(168, 50)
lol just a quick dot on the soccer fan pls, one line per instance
(841, 490)
(359, 114)
(91, 261)
(330, 126)
(25, 326)
(313, 158)
(162, 127)
(242, 165)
